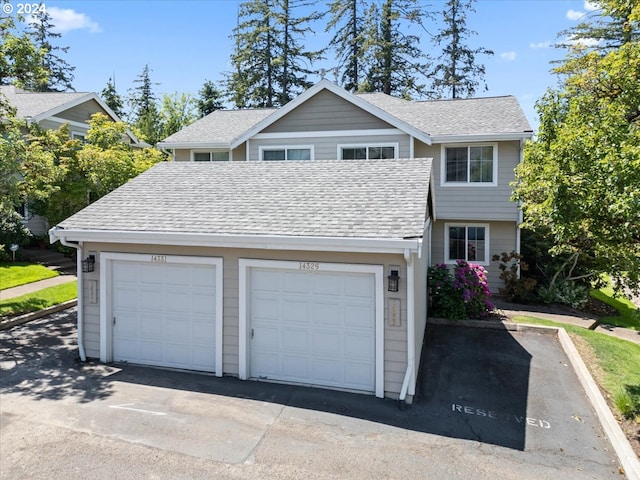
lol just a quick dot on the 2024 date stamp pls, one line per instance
(24, 8)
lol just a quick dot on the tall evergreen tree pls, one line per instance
(349, 39)
(112, 98)
(209, 100)
(271, 64)
(145, 115)
(60, 73)
(395, 61)
(458, 73)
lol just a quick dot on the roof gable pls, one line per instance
(347, 199)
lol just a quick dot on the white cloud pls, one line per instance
(66, 19)
(591, 6)
(539, 45)
(574, 15)
(585, 42)
(508, 56)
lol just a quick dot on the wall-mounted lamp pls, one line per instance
(89, 264)
(393, 280)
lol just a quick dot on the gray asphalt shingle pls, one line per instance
(32, 104)
(359, 199)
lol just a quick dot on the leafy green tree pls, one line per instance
(176, 113)
(60, 73)
(209, 99)
(458, 72)
(112, 98)
(580, 178)
(395, 61)
(145, 118)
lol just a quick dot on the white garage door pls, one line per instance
(164, 314)
(313, 327)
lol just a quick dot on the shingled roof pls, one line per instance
(34, 104)
(376, 199)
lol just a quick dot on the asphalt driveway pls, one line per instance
(492, 405)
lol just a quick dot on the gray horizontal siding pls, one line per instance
(82, 113)
(476, 203)
(326, 111)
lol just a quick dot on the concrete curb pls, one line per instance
(27, 317)
(627, 457)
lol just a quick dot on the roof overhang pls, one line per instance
(486, 137)
(193, 145)
(262, 242)
(340, 92)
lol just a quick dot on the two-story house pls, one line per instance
(51, 110)
(291, 245)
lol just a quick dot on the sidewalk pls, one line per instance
(511, 310)
(35, 286)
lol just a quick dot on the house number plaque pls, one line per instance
(309, 266)
(158, 259)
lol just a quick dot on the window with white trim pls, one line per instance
(78, 136)
(367, 152)
(219, 156)
(466, 242)
(469, 164)
(286, 153)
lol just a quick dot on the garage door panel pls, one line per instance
(317, 313)
(165, 314)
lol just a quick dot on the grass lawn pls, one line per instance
(628, 313)
(21, 273)
(614, 363)
(44, 298)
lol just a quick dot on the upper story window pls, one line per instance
(367, 152)
(221, 156)
(469, 165)
(467, 242)
(78, 136)
(286, 153)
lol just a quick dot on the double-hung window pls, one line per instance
(467, 242)
(286, 153)
(469, 165)
(220, 156)
(367, 152)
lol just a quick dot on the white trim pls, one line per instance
(263, 242)
(395, 145)
(192, 145)
(468, 183)
(213, 150)
(412, 142)
(485, 137)
(71, 123)
(262, 148)
(340, 92)
(106, 279)
(487, 241)
(329, 134)
(244, 264)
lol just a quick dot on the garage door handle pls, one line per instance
(114, 320)
(252, 333)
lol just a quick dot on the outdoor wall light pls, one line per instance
(89, 264)
(393, 280)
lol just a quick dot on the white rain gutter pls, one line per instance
(408, 385)
(53, 237)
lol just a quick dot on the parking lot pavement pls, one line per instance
(492, 405)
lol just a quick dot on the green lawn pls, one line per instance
(44, 298)
(628, 314)
(20, 273)
(617, 368)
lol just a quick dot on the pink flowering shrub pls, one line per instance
(461, 293)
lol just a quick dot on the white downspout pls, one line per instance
(78, 246)
(409, 384)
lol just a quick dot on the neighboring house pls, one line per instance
(51, 110)
(269, 271)
(285, 270)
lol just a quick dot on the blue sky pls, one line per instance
(186, 42)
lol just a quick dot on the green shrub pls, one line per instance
(517, 287)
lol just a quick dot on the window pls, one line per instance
(471, 164)
(221, 156)
(365, 152)
(285, 153)
(467, 242)
(78, 136)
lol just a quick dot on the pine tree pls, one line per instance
(60, 73)
(349, 40)
(210, 99)
(145, 115)
(112, 98)
(457, 73)
(395, 61)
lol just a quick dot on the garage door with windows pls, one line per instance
(312, 323)
(165, 311)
